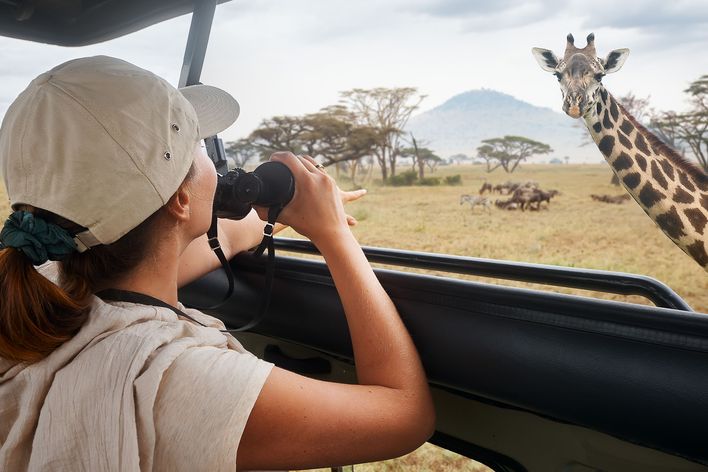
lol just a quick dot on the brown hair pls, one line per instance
(37, 316)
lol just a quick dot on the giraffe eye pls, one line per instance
(558, 76)
(599, 76)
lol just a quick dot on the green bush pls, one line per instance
(430, 181)
(404, 178)
(453, 179)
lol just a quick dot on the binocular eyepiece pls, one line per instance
(270, 184)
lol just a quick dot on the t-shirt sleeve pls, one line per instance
(203, 403)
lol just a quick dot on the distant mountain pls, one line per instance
(459, 124)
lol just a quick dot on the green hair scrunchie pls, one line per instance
(39, 240)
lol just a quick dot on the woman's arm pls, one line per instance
(234, 236)
(302, 423)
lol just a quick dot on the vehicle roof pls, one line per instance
(83, 22)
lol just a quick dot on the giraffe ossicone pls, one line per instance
(671, 190)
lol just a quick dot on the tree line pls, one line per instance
(365, 128)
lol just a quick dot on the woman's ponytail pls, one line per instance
(36, 316)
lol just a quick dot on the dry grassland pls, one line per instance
(573, 231)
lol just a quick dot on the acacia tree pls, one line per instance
(333, 135)
(386, 110)
(490, 155)
(509, 151)
(421, 156)
(690, 128)
(241, 151)
(277, 134)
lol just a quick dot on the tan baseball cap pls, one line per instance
(104, 143)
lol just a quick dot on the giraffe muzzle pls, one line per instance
(573, 105)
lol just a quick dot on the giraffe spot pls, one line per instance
(627, 127)
(632, 179)
(658, 176)
(597, 126)
(622, 162)
(649, 195)
(606, 144)
(624, 141)
(698, 252)
(685, 181)
(606, 120)
(598, 108)
(613, 109)
(603, 94)
(667, 168)
(704, 200)
(671, 223)
(641, 144)
(641, 161)
(682, 196)
(697, 219)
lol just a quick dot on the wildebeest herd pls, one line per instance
(522, 196)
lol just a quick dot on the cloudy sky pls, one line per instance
(295, 56)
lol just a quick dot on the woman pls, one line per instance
(105, 174)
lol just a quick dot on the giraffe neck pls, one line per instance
(668, 189)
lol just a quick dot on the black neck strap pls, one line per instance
(213, 239)
(266, 243)
(116, 295)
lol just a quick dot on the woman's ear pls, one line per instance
(179, 205)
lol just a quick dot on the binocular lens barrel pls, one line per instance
(271, 184)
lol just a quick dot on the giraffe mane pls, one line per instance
(698, 174)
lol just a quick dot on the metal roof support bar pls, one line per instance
(197, 42)
(194, 53)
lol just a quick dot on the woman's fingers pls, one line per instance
(352, 195)
(351, 221)
(296, 165)
(309, 162)
(309, 159)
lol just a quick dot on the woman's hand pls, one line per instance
(317, 205)
(350, 196)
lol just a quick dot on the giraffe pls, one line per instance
(672, 191)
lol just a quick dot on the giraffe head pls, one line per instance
(580, 72)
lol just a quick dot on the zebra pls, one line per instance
(475, 200)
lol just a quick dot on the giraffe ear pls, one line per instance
(615, 59)
(546, 59)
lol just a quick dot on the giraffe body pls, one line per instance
(670, 190)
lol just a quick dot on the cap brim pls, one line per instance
(216, 109)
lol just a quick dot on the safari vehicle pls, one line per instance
(523, 380)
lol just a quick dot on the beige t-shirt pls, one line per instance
(137, 389)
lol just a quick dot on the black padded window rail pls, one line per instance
(589, 279)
